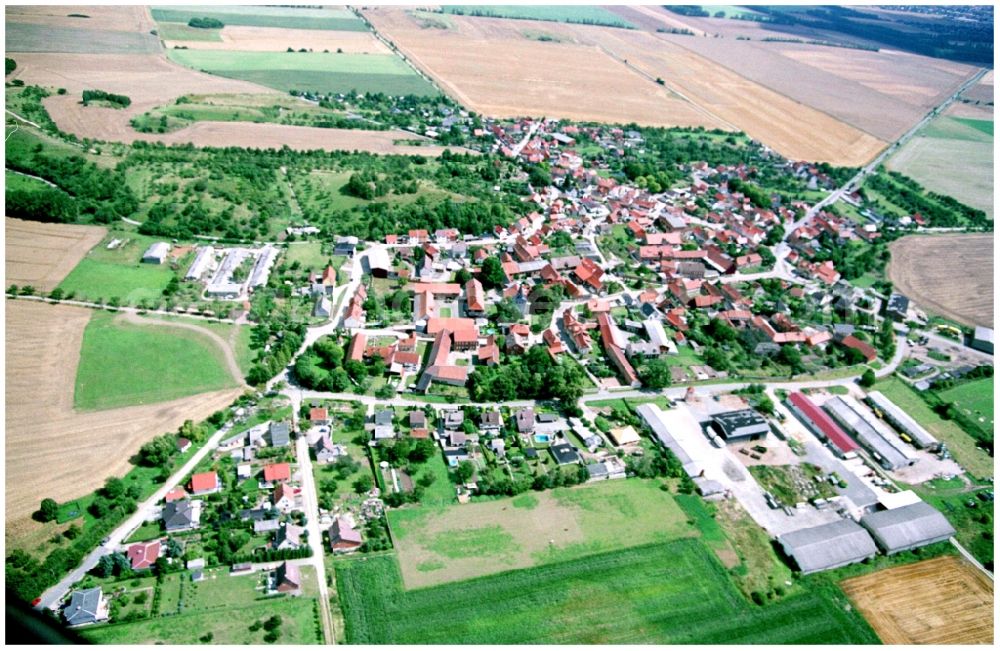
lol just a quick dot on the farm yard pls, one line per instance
(323, 72)
(675, 592)
(220, 607)
(939, 601)
(953, 155)
(925, 268)
(43, 350)
(41, 255)
(127, 360)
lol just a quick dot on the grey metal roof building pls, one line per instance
(884, 445)
(741, 424)
(86, 607)
(280, 434)
(907, 527)
(828, 546)
(673, 428)
(902, 421)
(982, 339)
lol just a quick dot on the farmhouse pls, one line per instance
(828, 546)
(907, 527)
(903, 422)
(343, 536)
(86, 607)
(143, 555)
(742, 425)
(156, 253)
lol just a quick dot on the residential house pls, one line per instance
(182, 515)
(86, 607)
(205, 483)
(288, 536)
(287, 578)
(343, 536)
(142, 556)
(277, 472)
(524, 419)
(285, 497)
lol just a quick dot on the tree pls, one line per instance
(113, 488)
(49, 510)
(867, 378)
(492, 274)
(362, 484)
(464, 471)
(105, 566)
(655, 374)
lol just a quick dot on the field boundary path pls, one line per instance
(50, 598)
(227, 350)
(120, 308)
(969, 557)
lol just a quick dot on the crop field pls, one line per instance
(126, 361)
(939, 601)
(222, 605)
(671, 593)
(41, 255)
(437, 545)
(116, 18)
(975, 399)
(960, 444)
(33, 37)
(287, 17)
(960, 287)
(882, 93)
(43, 350)
(983, 91)
(559, 14)
(490, 66)
(952, 155)
(315, 71)
(271, 39)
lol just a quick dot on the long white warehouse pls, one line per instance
(903, 422)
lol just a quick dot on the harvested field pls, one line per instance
(939, 601)
(43, 346)
(950, 275)
(116, 18)
(491, 67)
(266, 39)
(41, 255)
(983, 91)
(444, 544)
(974, 111)
(584, 77)
(291, 17)
(881, 93)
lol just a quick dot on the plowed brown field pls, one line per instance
(41, 255)
(950, 275)
(51, 450)
(940, 601)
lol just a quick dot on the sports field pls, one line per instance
(961, 445)
(255, 16)
(974, 399)
(671, 593)
(940, 601)
(450, 543)
(124, 364)
(325, 72)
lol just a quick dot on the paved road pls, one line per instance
(52, 596)
(315, 536)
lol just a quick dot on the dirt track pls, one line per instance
(950, 275)
(51, 450)
(41, 255)
(939, 601)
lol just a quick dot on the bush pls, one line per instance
(9, 65)
(49, 510)
(121, 101)
(206, 23)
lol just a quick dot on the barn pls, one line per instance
(828, 546)
(907, 527)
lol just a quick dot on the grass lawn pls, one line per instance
(148, 531)
(676, 592)
(563, 524)
(974, 399)
(92, 280)
(962, 446)
(966, 513)
(123, 364)
(318, 71)
(310, 255)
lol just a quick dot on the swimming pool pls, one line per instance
(543, 438)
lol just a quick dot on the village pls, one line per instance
(703, 324)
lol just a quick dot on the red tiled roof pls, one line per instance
(318, 413)
(143, 555)
(823, 422)
(277, 472)
(204, 481)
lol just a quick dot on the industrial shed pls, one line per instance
(156, 253)
(822, 425)
(890, 452)
(741, 425)
(677, 430)
(828, 546)
(903, 422)
(907, 527)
